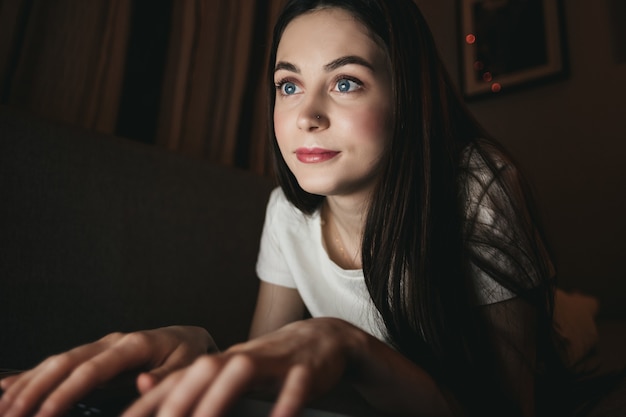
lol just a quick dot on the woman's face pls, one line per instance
(332, 114)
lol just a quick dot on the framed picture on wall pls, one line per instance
(509, 44)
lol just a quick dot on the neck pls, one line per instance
(348, 214)
(344, 221)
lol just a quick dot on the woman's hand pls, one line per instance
(298, 362)
(52, 387)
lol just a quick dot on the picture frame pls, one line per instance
(509, 44)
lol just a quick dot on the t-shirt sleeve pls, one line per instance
(271, 264)
(504, 249)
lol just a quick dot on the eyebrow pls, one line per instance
(331, 66)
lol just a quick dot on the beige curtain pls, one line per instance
(214, 94)
(66, 61)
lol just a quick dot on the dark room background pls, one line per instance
(185, 75)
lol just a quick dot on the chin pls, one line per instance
(316, 186)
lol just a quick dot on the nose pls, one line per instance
(313, 118)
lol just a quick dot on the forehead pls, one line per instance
(326, 34)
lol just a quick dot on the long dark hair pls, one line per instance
(416, 258)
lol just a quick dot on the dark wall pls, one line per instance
(570, 136)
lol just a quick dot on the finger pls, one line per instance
(190, 389)
(12, 390)
(145, 382)
(8, 381)
(234, 380)
(182, 356)
(13, 384)
(4, 386)
(127, 353)
(26, 393)
(154, 376)
(148, 403)
(295, 393)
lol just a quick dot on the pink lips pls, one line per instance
(315, 155)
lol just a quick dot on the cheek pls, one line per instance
(370, 124)
(283, 136)
(279, 128)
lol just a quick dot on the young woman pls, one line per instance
(399, 226)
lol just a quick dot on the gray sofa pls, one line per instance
(101, 234)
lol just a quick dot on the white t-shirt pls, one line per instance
(292, 255)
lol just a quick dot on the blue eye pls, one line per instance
(288, 88)
(345, 85)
